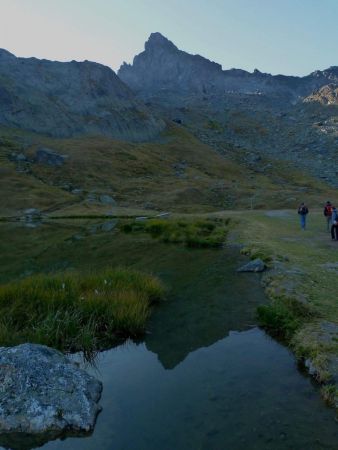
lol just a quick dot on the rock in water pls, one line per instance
(256, 265)
(43, 392)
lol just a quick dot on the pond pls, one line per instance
(205, 376)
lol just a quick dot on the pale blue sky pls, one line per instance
(278, 36)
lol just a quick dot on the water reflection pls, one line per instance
(205, 377)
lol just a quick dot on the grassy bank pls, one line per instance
(191, 233)
(75, 311)
(302, 284)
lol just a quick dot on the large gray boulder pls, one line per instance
(43, 392)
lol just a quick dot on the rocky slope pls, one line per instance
(245, 116)
(162, 66)
(327, 95)
(69, 99)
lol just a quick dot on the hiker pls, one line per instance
(334, 225)
(328, 214)
(303, 211)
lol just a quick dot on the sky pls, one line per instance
(293, 37)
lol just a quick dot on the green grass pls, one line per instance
(191, 233)
(75, 311)
(283, 316)
(301, 286)
(330, 394)
(142, 177)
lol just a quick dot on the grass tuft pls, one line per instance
(283, 316)
(78, 312)
(198, 233)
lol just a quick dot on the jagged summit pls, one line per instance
(158, 41)
(162, 67)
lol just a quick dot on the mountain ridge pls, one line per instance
(178, 70)
(65, 99)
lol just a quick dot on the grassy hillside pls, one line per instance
(176, 173)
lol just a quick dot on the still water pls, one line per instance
(205, 376)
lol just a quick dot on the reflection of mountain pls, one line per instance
(209, 299)
(22, 441)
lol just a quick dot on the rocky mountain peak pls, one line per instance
(4, 54)
(157, 41)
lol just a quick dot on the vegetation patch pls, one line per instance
(330, 394)
(74, 311)
(198, 233)
(283, 316)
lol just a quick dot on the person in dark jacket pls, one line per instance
(303, 211)
(334, 226)
(328, 214)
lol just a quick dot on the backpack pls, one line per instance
(328, 210)
(303, 210)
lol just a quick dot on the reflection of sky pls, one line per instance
(290, 37)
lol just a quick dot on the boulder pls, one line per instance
(49, 157)
(107, 200)
(32, 214)
(256, 265)
(42, 391)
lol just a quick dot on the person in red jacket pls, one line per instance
(328, 214)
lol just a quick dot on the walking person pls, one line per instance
(303, 211)
(334, 224)
(328, 214)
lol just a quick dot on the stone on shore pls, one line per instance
(42, 391)
(256, 265)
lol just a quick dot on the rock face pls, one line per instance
(70, 99)
(327, 95)
(42, 391)
(162, 66)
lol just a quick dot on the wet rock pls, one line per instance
(163, 215)
(141, 218)
(42, 391)
(256, 265)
